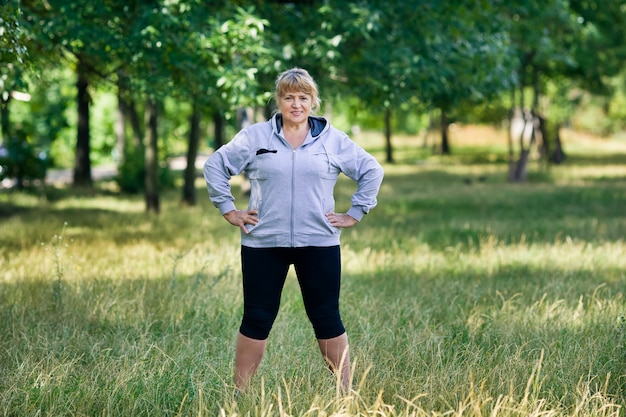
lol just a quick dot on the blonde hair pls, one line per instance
(297, 79)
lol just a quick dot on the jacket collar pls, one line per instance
(316, 123)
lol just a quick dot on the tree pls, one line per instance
(301, 34)
(472, 63)
(12, 54)
(599, 53)
(600, 56)
(214, 60)
(80, 32)
(432, 54)
(561, 44)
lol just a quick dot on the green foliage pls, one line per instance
(131, 172)
(439, 53)
(617, 106)
(349, 114)
(592, 116)
(21, 161)
(13, 50)
(103, 114)
(45, 118)
(493, 112)
(463, 56)
(603, 30)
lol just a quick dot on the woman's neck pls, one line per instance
(295, 134)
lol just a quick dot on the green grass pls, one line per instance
(479, 299)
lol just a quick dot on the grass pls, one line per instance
(463, 295)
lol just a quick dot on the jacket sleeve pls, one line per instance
(231, 159)
(365, 170)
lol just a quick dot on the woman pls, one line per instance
(292, 161)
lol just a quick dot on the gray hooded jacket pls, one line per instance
(292, 189)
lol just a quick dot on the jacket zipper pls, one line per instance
(293, 198)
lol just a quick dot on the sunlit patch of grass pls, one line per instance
(111, 204)
(588, 174)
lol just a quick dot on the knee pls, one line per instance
(326, 322)
(257, 322)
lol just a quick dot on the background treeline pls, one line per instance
(137, 81)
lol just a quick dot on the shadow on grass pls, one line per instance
(605, 159)
(34, 225)
(8, 210)
(443, 209)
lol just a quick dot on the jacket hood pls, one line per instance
(318, 124)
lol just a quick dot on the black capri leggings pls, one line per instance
(319, 274)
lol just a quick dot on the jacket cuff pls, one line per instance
(356, 213)
(226, 206)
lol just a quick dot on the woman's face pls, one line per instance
(295, 106)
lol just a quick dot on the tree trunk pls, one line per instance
(541, 138)
(517, 124)
(245, 117)
(218, 129)
(512, 121)
(431, 126)
(189, 186)
(82, 162)
(388, 146)
(135, 124)
(151, 157)
(4, 116)
(558, 156)
(268, 109)
(541, 135)
(120, 130)
(518, 171)
(445, 143)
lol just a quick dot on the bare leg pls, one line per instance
(337, 353)
(248, 355)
